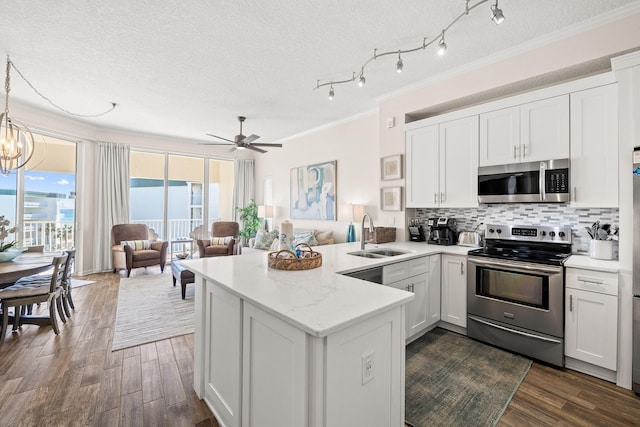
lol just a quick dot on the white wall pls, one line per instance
(354, 144)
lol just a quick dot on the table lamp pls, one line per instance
(357, 212)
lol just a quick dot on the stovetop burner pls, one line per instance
(537, 244)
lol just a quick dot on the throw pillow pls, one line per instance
(275, 245)
(325, 238)
(137, 245)
(264, 239)
(307, 237)
(221, 240)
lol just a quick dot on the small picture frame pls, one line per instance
(391, 167)
(391, 198)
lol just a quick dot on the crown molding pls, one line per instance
(331, 124)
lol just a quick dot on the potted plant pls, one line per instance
(250, 221)
(8, 251)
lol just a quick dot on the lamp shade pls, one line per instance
(357, 212)
(268, 211)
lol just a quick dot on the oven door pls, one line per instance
(524, 295)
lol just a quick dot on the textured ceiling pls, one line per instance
(189, 68)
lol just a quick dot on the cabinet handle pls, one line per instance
(515, 156)
(435, 198)
(442, 197)
(570, 302)
(575, 193)
(592, 281)
(461, 268)
(524, 150)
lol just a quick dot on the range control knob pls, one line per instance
(561, 234)
(491, 230)
(543, 233)
(498, 231)
(552, 234)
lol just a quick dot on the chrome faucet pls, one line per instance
(362, 241)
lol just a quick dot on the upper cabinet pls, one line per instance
(594, 147)
(442, 164)
(529, 132)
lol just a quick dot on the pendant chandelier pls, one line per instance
(16, 140)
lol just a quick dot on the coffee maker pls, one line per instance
(442, 231)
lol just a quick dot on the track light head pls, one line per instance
(362, 81)
(442, 47)
(331, 93)
(496, 14)
(399, 64)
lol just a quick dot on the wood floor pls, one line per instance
(75, 379)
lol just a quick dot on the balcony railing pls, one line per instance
(53, 235)
(178, 228)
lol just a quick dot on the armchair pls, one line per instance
(220, 229)
(141, 252)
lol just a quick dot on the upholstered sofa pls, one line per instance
(264, 241)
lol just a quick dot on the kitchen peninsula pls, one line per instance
(300, 348)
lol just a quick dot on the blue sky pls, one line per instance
(49, 182)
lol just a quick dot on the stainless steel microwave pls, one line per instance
(546, 181)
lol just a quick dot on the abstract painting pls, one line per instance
(313, 191)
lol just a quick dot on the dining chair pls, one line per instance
(39, 248)
(27, 291)
(67, 301)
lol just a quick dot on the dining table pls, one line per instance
(25, 264)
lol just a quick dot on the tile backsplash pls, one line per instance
(552, 214)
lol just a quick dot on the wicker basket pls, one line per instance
(287, 260)
(381, 234)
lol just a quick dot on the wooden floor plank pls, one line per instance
(110, 389)
(131, 412)
(171, 384)
(151, 381)
(131, 375)
(155, 413)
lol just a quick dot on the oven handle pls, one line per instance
(517, 267)
(493, 325)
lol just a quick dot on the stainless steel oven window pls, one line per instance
(526, 289)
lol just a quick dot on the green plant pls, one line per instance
(250, 221)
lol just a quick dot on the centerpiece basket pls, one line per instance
(288, 260)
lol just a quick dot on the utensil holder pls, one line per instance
(601, 249)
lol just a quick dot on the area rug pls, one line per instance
(76, 283)
(151, 309)
(452, 380)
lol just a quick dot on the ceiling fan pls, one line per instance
(241, 142)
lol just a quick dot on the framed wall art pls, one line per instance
(391, 199)
(391, 167)
(313, 191)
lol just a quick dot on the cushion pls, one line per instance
(137, 245)
(275, 245)
(264, 239)
(307, 237)
(325, 237)
(221, 240)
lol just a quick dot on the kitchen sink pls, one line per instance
(377, 253)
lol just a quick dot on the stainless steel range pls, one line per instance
(515, 290)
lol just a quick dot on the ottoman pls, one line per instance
(182, 274)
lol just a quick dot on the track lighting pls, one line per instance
(442, 46)
(496, 14)
(439, 42)
(399, 64)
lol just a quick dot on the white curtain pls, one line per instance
(112, 197)
(244, 184)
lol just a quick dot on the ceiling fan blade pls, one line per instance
(266, 144)
(251, 147)
(219, 137)
(250, 139)
(214, 143)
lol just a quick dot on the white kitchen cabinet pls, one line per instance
(421, 276)
(530, 132)
(442, 164)
(454, 290)
(591, 318)
(594, 147)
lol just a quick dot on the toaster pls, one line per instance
(469, 238)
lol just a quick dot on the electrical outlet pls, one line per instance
(367, 368)
(391, 122)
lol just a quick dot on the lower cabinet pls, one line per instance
(454, 290)
(591, 319)
(424, 310)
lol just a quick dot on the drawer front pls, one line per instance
(418, 266)
(394, 272)
(593, 281)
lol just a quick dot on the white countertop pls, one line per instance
(317, 301)
(588, 263)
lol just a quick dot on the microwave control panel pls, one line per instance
(557, 181)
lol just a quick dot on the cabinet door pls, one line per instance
(454, 290)
(416, 311)
(544, 129)
(459, 163)
(590, 324)
(433, 298)
(421, 159)
(500, 137)
(594, 147)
